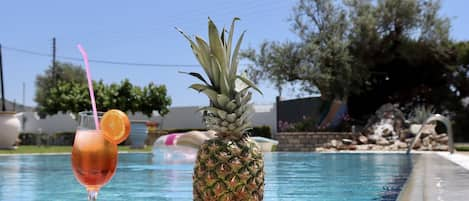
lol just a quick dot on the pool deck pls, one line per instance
(438, 176)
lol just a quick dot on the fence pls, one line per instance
(178, 117)
(292, 111)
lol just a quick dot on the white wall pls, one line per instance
(178, 117)
(188, 117)
(181, 117)
(50, 125)
(57, 123)
(265, 115)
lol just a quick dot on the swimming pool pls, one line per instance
(289, 176)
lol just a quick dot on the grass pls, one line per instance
(462, 148)
(33, 149)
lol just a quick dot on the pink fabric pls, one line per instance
(170, 139)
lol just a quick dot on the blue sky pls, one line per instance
(143, 32)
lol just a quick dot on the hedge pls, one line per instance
(260, 131)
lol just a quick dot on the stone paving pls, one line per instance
(460, 158)
(438, 177)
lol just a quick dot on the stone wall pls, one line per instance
(308, 141)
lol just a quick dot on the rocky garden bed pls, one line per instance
(389, 131)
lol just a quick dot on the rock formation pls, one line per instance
(387, 131)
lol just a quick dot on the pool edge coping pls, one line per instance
(414, 188)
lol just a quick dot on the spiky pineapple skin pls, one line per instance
(231, 118)
(229, 167)
(229, 170)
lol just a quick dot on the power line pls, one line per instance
(24, 51)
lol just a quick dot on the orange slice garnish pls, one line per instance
(116, 126)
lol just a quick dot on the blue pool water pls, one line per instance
(289, 176)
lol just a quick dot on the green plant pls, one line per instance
(60, 72)
(28, 138)
(261, 131)
(274, 148)
(74, 97)
(307, 123)
(64, 138)
(420, 114)
(462, 148)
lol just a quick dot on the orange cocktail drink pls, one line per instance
(94, 159)
(94, 154)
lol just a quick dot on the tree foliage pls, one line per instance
(458, 101)
(45, 83)
(371, 53)
(71, 94)
(349, 47)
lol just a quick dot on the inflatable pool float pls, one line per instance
(177, 148)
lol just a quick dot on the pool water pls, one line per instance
(289, 176)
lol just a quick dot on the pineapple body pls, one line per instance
(229, 167)
(228, 170)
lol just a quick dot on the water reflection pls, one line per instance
(335, 176)
(270, 168)
(289, 176)
(16, 183)
(175, 167)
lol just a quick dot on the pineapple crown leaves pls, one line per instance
(219, 62)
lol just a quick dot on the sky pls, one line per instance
(143, 32)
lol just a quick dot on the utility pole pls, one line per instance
(54, 72)
(23, 117)
(24, 96)
(1, 77)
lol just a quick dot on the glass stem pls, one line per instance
(92, 195)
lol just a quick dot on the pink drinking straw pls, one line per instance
(90, 85)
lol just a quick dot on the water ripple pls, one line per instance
(289, 176)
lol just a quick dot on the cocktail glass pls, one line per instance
(94, 159)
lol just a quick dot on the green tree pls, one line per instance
(370, 53)
(46, 83)
(458, 100)
(407, 53)
(319, 61)
(72, 95)
(149, 101)
(354, 46)
(65, 97)
(130, 98)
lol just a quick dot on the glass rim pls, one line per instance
(90, 113)
(86, 120)
(88, 129)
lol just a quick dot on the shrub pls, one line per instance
(28, 138)
(64, 138)
(306, 124)
(261, 131)
(462, 148)
(311, 124)
(420, 113)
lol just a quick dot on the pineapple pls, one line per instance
(229, 166)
